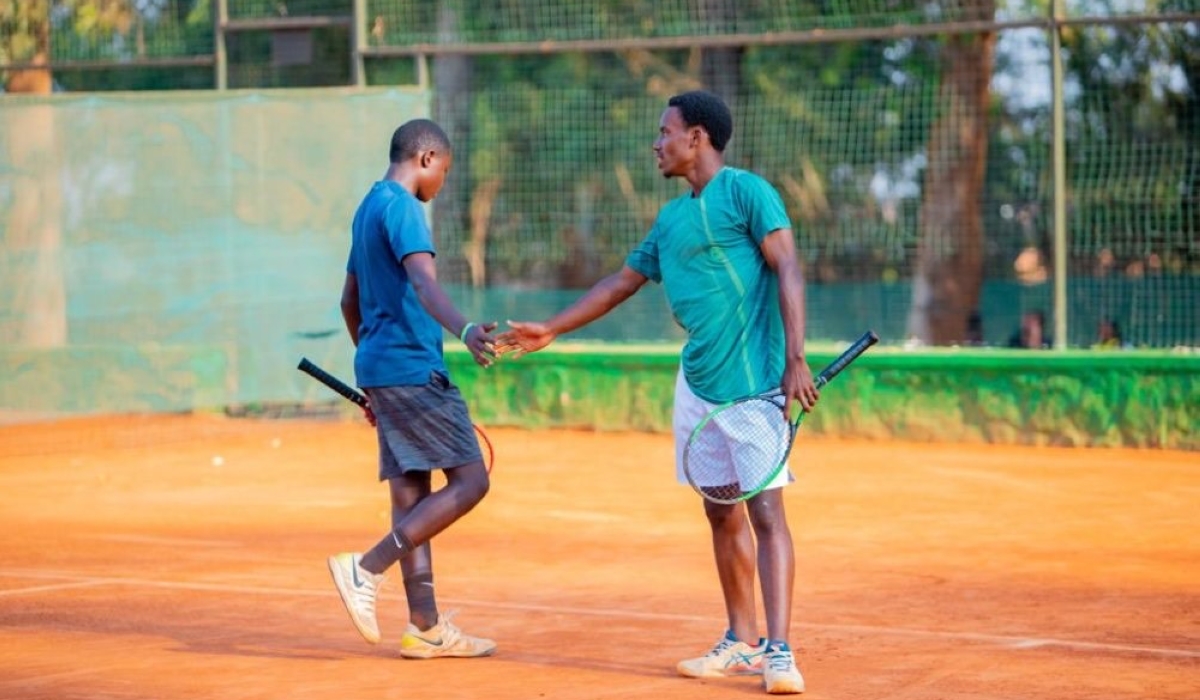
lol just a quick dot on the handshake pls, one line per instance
(522, 337)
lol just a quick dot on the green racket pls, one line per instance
(740, 447)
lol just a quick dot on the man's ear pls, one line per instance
(698, 135)
(427, 158)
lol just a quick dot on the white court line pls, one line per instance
(55, 587)
(1008, 641)
(169, 541)
(988, 477)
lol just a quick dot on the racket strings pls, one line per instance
(740, 449)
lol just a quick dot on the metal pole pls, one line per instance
(423, 71)
(358, 43)
(1059, 164)
(220, 60)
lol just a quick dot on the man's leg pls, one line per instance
(777, 571)
(739, 651)
(776, 560)
(733, 551)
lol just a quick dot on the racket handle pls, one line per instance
(834, 369)
(331, 381)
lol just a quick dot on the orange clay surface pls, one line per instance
(135, 566)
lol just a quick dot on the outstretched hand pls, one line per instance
(524, 337)
(480, 342)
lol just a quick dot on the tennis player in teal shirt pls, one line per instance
(725, 256)
(705, 251)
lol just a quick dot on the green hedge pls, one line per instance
(1074, 398)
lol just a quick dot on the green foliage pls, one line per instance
(245, 9)
(21, 22)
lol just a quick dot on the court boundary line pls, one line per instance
(1007, 641)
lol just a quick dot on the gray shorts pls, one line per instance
(422, 428)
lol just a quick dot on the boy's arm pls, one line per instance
(603, 297)
(422, 275)
(350, 311)
(353, 317)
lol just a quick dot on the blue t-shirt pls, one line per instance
(704, 250)
(399, 343)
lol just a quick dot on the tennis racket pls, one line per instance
(740, 447)
(355, 396)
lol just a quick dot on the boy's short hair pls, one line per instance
(415, 136)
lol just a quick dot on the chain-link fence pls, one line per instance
(852, 109)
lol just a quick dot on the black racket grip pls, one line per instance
(331, 381)
(834, 369)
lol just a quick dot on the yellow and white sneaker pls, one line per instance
(358, 589)
(780, 675)
(729, 657)
(443, 640)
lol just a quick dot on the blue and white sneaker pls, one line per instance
(729, 657)
(358, 588)
(780, 675)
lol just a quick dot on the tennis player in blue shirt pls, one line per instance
(724, 254)
(395, 311)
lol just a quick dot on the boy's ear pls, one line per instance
(427, 158)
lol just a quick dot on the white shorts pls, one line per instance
(689, 411)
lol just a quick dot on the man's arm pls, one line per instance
(350, 311)
(779, 251)
(422, 275)
(603, 297)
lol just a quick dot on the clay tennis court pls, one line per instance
(137, 566)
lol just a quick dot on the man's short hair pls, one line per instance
(416, 136)
(707, 111)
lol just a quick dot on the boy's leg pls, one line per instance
(439, 638)
(419, 428)
(465, 488)
(417, 568)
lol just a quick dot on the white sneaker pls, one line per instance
(358, 588)
(443, 640)
(780, 675)
(729, 657)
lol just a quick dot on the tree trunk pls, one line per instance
(33, 240)
(721, 72)
(452, 77)
(949, 272)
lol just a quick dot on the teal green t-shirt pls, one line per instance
(705, 252)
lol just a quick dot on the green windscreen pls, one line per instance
(163, 252)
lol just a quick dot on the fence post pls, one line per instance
(220, 60)
(1059, 165)
(358, 42)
